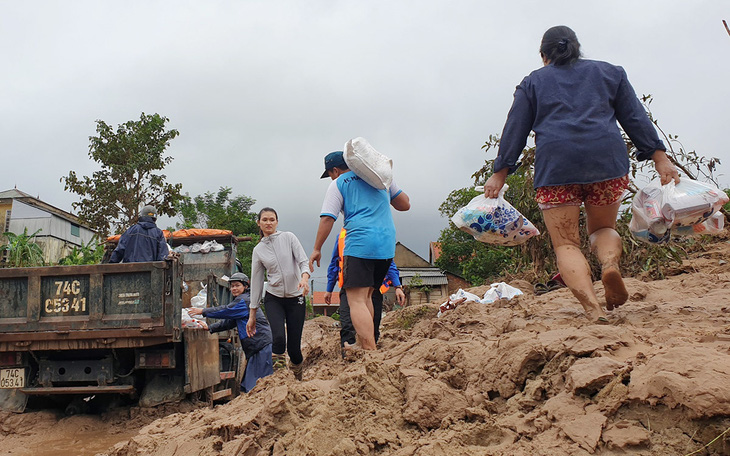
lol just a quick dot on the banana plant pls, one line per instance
(22, 249)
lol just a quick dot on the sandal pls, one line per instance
(602, 321)
(558, 278)
(540, 289)
(551, 285)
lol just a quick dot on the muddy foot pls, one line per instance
(616, 293)
(352, 352)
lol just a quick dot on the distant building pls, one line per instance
(322, 308)
(455, 280)
(422, 281)
(59, 231)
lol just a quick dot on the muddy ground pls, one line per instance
(529, 376)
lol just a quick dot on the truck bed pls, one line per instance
(95, 306)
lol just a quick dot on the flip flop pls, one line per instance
(551, 285)
(558, 278)
(540, 289)
(602, 321)
(554, 285)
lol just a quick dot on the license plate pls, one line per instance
(12, 378)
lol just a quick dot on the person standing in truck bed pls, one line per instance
(143, 241)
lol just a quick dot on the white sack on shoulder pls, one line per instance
(368, 164)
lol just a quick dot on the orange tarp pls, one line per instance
(116, 237)
(201, 232)
(184, 233)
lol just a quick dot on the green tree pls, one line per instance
(225, 212)
(89, 253)
(22, 249)
(129, 158)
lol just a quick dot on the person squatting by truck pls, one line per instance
(257, 348)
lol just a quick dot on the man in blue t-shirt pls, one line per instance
(370, 237)
(335, 276)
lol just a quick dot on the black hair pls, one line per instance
(560, 46)
(266, 209)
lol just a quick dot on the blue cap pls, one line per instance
(333, 160)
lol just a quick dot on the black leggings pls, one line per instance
(289, 312)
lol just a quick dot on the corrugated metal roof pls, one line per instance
(428, 276)
(13, 193)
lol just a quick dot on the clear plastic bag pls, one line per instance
(190, 321)
(713, 225)
(687, 208)
(494, 221)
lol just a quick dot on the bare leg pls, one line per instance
(361, 314)
(562, 224)
(606, 244)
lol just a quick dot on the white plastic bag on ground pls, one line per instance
(659, 211)
(368, 164)
(500, 290)
(457, 298)
(494, 221)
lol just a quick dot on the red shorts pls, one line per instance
(602, 193)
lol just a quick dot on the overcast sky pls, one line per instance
(261, 90)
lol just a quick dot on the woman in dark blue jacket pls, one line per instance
(257, 348)
(573, 106)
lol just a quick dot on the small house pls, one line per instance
(422, 281)
(59, 231)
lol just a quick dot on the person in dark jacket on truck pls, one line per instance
(257, 348)
(142, 241)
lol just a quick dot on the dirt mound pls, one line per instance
(528, 376)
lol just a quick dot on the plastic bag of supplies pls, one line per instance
(494, 221)
(687, 208)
